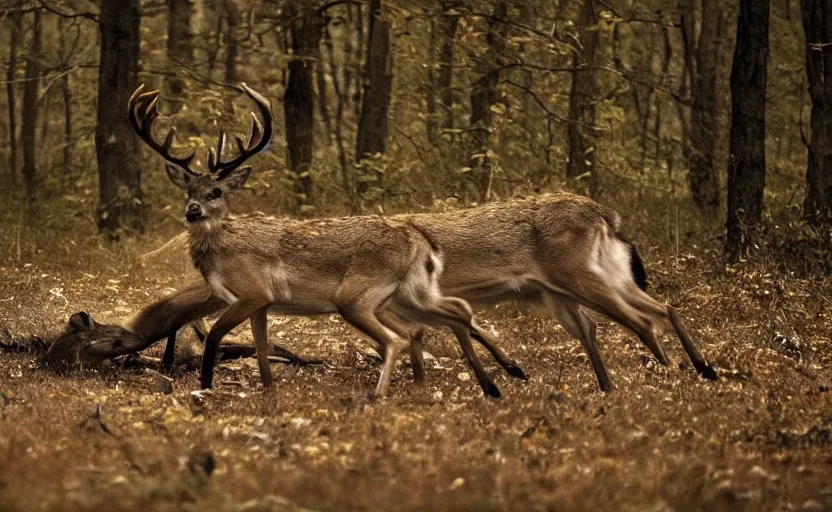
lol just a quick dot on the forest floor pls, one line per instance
(760, 438)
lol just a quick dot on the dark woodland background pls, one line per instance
(680, 113)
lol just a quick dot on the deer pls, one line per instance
(561, 251)
(380, 275)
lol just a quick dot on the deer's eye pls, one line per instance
(215, 194)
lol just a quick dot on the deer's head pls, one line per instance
(206, 191)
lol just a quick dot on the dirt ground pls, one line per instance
(758, 439)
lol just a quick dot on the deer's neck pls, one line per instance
(205, 240)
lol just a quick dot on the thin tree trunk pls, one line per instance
(348, 63)
(818, 204)
(323, 96)
(747, 167)
(299, 102)
(581, 130)
(347, 176)
(232, 18)
(483, 97)
(214, 36)
(667, 49)
(359, 59)
(119, 175)
(378, 79)
(180, 50)
(446, 31)
(440, 71)
(66, 94)
(11, 74)
(688, 27)
(431, 125)
(30, 110)
(703, 176)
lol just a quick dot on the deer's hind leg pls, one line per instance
(582, 327)
(666, 315)
(455, 314)
(357, 301)
(399, 326)
(595, 293)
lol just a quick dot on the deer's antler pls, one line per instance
(257, 141)
(142, 111)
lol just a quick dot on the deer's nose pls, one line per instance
(193, 212)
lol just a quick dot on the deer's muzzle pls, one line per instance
(193, 212)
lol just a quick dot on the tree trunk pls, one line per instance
(299, 102)
(232, 18)
(347, 173)
(703, 176)
(11, 74)
(30, 110)
(323, 95)
(378, 80)
(483, 97)
(119, 174)
(214, 16)
(359, 58)
(431, 125)
(747, 150)
(66, 94)
(818, 204)
(180, 50)
(441, 78)
(581, 131)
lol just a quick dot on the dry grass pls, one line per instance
(758, 439)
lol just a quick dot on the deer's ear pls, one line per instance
(237, 178)
(178, 176)
(80, 321)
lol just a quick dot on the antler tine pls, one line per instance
(256, 129)
(241, 144)
(212, 159)
(142, 111)
(220, 144)
(260, 136)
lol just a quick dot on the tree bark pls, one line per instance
(180, 50)
(483, 97)
(378, 80)
(323, 94)
(359, 58)
(818, 203)
(299, 101)
(431, 125)
(120, 194)
(214, 16)
(747, 151)
(347, 173)
(232, 18)
(703, 175)
(11, 74)
(66, 94)
(441, 79)
(581, 131)
(30, 110)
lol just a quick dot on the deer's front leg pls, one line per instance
(259, 329)
(170, 352)
(234, 316)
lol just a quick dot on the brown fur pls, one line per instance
(538, 249)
